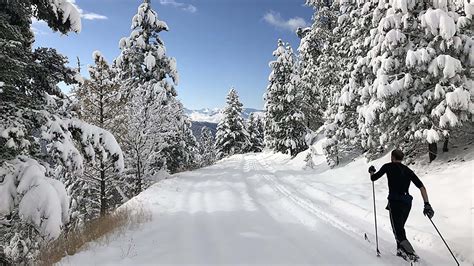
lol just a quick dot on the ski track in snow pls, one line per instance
(239, 212)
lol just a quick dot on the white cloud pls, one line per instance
(92, 16)
(87, 15)
(275, 19)
(38, 26)
(185, 7)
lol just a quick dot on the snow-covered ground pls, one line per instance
(264, 209)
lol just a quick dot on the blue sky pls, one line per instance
(217, 43)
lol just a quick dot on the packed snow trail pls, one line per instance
(236, 212)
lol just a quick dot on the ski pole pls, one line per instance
(375, 216)
(452, 254)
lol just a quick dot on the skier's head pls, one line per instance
(397, 155)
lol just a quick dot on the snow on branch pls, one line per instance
(43, 201)
(66, 11)
(445, 65)
(96, 143)
(438, 22)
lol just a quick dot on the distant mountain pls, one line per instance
(215, 115)
(205, 115)
(211, 117)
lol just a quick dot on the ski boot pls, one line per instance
(406, 251)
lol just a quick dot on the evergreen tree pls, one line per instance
(232, 136)
(284, 120)
(384, 116)
(178, 147)
(358, 24)
(440, 63)
(308, 54)
(319, 62)
(207, 147)
(386, 74)
(100, 102)
(255, 130)
(309, 163)
(19, 64)
(349, 45)
(146, 71)
(191, 145)
(40, 140)
(416, 59)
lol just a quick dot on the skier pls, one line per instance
(399, 200)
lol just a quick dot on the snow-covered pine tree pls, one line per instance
(440, 61)
(384, 115)
(255, 130)
(326, 59)
(100, 103)
(146, 71)
(26, 75)
(40, 141)
(309, 163)
(308, 54)
(284, 119)
(361, 21)
(416, 55)
(350, 44)
(207, 147)
(295, 129)
(232, 136)
(178, 147)
(191, 145)
(275, 94)
(318, 64)
(18, 65)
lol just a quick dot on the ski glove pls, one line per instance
(428, 210)
(372, 169)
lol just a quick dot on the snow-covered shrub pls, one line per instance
(32, 195)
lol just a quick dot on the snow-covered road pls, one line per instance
(237, 212)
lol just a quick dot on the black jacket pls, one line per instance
(399, 177)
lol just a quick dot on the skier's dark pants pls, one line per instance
(399, 212)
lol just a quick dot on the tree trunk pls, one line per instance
(103, 198)
(432, 151)
(445, 145)
(139, 176)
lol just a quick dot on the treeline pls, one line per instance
(375, 75)
(68, 159)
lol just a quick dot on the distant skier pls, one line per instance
(399, 200)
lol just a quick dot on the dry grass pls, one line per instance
(101, 230)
